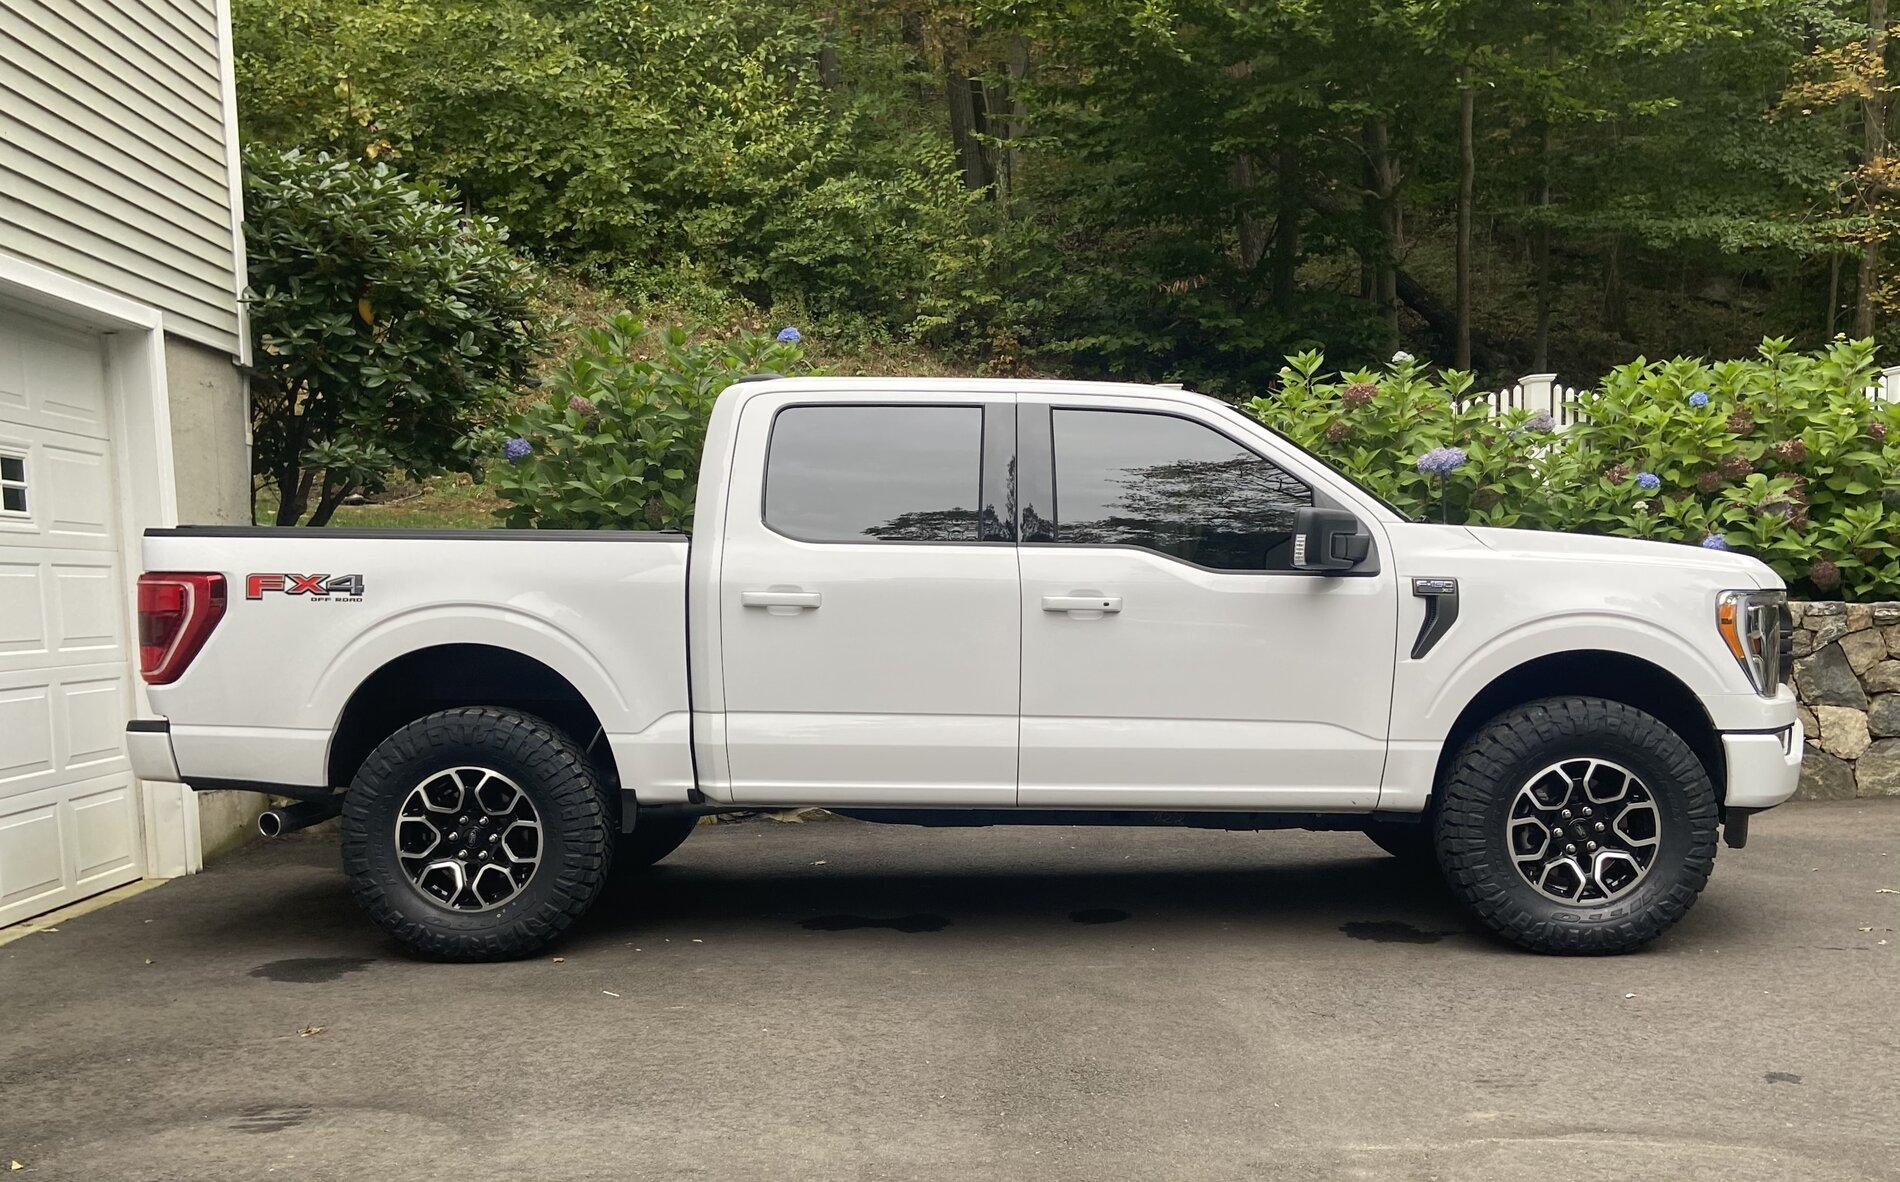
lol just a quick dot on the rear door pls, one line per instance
(1172, 658)
(869, 602)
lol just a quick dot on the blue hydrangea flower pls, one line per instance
(1442, 461)
(1541, 423)
(516, 450)
(789, 335)
(1699, 398)
(1648, 481)
(1715, 542)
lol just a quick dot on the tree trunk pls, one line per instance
(1387, 225)
(1016, 116)
(1250, 231)
(1467, 100)
(1613, 287)
(1286, 222)
(960, 92)
(327, 501)
(1873, 120)
(1540, 254)
(1833, 294)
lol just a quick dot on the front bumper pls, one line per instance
(1763, 768)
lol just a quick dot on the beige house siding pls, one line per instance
(115, 154)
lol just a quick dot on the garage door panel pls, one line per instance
(77, 490)
(105, 828)
(12, 375)
(88, 599)
(93, 717)
(64, 376)
(23, 628)
(26, 737)
(32, 860)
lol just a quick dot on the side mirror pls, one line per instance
(1327, 540)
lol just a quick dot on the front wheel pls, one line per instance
(1577, 825)
(476, 834)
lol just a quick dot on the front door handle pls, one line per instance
(781, 601)
(1083, 607)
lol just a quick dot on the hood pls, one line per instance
(1738, 569)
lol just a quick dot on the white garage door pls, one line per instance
(69, 811)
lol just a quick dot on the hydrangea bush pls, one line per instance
(616, 442)
(1783, 456)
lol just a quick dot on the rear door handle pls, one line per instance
(781, 601)
(1087, 607)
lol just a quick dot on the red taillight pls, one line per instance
(176, 615)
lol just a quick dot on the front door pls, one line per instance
(1171, 656)
(869, 603)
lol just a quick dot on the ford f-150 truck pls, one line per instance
(979, 602)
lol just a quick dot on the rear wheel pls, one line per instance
(1577, 825)
(476, 834)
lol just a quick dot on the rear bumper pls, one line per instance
(1763, 768)
(148, 744)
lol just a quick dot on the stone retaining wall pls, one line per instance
(1847, 673)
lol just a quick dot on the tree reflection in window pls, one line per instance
(1169, 484)
(853, 473)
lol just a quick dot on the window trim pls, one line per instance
(24, 483)
(1036, 470)
(984, 483)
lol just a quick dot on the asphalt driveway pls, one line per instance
(841, 1000)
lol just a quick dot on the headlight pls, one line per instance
(1752, 626)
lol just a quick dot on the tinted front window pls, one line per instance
(875, 473)
(1173, 485)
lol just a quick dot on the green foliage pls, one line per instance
(616, 443)
(1785, 456)
(385, 325)
(677, 150)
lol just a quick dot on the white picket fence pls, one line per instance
(1543, 392)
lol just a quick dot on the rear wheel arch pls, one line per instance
(428, 680)
(1595, 673)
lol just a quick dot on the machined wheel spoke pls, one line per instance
(468, 838)
(1583, 830)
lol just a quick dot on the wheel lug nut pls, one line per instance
(1570, 849)
(1593, 845)
(1566, 814)
(1586, 812)
(1599, 826)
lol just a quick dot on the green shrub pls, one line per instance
(386, 326)
(616, 443)
(1784, 457)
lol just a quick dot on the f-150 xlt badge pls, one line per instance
(337, 587)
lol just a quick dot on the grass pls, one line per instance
(445, 502)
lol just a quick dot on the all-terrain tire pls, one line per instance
(1474, 843)
(653, 838)
(575, 840)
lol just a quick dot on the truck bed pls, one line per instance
(311, 615)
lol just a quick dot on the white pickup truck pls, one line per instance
(979, 602)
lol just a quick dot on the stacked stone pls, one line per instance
(1847, 674)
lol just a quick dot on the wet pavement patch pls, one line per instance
(899, 923)
(1391, 931)
(1775, 1077)
(310, 970)
(1098, 915)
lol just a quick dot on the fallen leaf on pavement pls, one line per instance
(560, 960)
(610, 993)
(1878, 891)
(308, 1031)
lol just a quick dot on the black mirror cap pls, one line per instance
(1328, 540)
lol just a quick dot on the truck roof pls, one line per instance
(764, 384)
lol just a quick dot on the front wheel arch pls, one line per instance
(1591, 673)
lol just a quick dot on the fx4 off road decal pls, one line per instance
(341, 588)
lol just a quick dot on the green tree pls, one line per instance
(386, 325)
